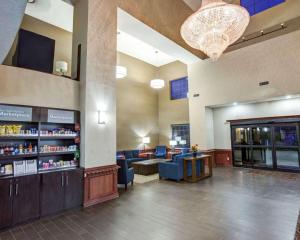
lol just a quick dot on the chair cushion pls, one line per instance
(135, 153)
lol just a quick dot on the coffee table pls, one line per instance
(147, 167)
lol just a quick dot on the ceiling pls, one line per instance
(55, 12)
(196, 4)
(134, 47)
(136, 39)
(141, 41)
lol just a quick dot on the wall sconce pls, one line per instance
(102, 117)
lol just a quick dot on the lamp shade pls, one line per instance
(173, 143)
(121, 72)
(61, 66)
(178, 138)
(146, 140)
(157, 83)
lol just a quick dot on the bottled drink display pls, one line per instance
(51, 164)
(58, 132)
(18, 149)
(49, 149)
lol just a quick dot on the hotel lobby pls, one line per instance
(149, 119)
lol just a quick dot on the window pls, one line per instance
(257, 6)
(179, 88)
(181, 131)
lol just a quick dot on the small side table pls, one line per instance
(193, 160)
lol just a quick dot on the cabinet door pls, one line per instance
(6, 195)
(52, 193)
(26, 198)
(73, 188)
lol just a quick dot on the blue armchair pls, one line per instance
(132, 156)
(161, 152)
(125, 174)
(174, 169)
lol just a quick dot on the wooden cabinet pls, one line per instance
(73, 189)
(19, 200)
(52, 193)
(26, 198)
(61, 190)
(6, 201)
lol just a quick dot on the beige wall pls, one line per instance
(285, 107)
(171, 111)
(279, 14)
(235, 77)
(27, 87)
(137, 105)
(63, 40)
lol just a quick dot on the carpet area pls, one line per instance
(141, 179)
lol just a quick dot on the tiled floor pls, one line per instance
(236, 204)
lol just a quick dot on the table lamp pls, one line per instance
(146, 140)
(61, 67)
(173, 143)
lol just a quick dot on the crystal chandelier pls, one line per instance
(215, 26)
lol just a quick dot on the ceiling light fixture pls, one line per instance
(215, 26)
(121, 72)
(157, 83)
(288, 97)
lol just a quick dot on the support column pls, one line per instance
(95, 28)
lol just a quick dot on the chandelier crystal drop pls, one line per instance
(215, 26)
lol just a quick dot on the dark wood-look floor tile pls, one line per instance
(236, 204)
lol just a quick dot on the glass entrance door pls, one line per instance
(286, 138)
(262, 146)
(273, 146)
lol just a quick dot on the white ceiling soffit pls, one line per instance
(136, 48)
(193, 4)
(138, 30)
(55, 12)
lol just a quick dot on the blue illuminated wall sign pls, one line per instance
(257, 6)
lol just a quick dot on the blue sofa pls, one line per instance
(130, 156)
(161, 152)
(174, 169)
(125, 174)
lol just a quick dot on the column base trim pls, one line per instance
(100, 185)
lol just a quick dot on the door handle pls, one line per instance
(10, 189)
(62, 180)
(67, 180)
(17, 189)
